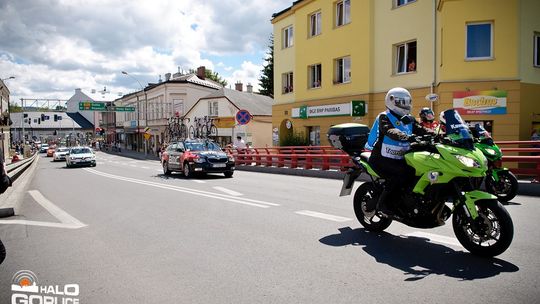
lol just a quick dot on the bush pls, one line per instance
(295, 139)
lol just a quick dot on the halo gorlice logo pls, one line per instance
(26, 290)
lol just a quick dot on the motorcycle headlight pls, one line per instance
(467, 161)
(490, 151)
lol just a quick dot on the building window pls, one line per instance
(213, 108)
(315, 73)
(537, 50)
(288, 37)
(287, 81)
(406, 57)
(403, 2)
(479, 41)
(343, 70)
(343, 12)
(315, 24)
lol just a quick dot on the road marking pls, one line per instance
(228, 198)
(67, 221)
(325, 216)
(145, 167)
(198, 181)
(228, 191)
(435, 238)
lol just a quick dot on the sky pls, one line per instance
(53, 47)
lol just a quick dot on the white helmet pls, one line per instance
(399, 101)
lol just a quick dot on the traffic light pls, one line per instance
(55, 118)
(25, 115)
(43, 117)
(39, 120)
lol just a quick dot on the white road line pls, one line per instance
(198, 181)
(228, 191)
(237, 200)
(67, 221)
(325, 216)
(435, 238)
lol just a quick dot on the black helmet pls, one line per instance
(426, 114)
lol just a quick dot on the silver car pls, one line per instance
(60, 153)
(80, 156)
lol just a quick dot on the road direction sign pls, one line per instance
(122, 109)
(91, 106)
(243, 117)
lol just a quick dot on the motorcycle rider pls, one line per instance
(427, 119)
(389, 141)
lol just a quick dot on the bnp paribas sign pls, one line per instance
(353, 108)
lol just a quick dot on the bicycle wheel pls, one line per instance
(213, 131)
(204, 132)
(191, 132)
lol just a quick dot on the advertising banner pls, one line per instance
(480, 102)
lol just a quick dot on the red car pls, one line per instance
(196, 155)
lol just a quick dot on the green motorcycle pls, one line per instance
(499, 180)
(443, 186)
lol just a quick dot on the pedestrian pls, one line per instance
(239, 143)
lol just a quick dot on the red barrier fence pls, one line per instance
(329, 158)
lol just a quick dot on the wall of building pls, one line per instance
(284, 58)
(452, 20)
(416, 19)
(530, 110)
(529, 25)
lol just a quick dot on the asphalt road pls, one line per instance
(127, 234)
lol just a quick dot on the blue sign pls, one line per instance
(243, 117)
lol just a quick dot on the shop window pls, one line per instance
(406, 57)
(314, 135)
(479, 41)
(287, 82)
(537, 50)
(315, 76)
(213, 108)
(288, 37)
(403, 2)
(343, 70)
(315, 24)
(343, 12)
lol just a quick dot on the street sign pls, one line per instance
(147, 136)
(243, 117)
(122, 109)
(91, 106)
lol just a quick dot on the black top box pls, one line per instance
(349, 137)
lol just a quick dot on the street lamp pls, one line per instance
(138, 112)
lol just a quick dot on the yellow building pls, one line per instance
(480, 56)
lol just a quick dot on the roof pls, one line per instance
(69, 120)
(286, 10)
(255, 104)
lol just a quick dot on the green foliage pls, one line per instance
(266, 82)
(60, 108)
(295, 139)
(13, 108)
(211, 75)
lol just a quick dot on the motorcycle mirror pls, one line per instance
(432, 97)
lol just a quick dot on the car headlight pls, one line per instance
(490, 151)
(199, 160)
(467, 161)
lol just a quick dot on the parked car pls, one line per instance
(43, 148)
(60, 153)
(196, 155)
(80, 156)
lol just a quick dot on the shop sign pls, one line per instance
(480, 102)
(353, 108)
(225, 122)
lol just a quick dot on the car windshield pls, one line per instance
(202, 146)
(62, 150)
(457, 130)
(80, 151)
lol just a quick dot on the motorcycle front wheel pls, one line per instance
(490, 234)
(505, 189)
(370, 220)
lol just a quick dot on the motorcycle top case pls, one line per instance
(349, 137)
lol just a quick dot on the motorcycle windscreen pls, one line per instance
(457, 130)
(482, 134)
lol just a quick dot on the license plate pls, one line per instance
(219, 165)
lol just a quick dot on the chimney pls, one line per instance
(249, 88)
(167, 76)
(239, 86)
(201, 71)
(160, 81)
(77, 90)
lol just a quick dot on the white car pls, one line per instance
(60, 153)
(43, 148)
(80, 156)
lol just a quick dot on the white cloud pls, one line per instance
(55, 46)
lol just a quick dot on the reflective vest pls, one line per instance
(390, 148)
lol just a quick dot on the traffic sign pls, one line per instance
(243, 117)
(91, 106)
(122, 109)
(147, 136)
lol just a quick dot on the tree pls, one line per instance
(60, 108)
(212, 76)
(266, 82)
(13, 108)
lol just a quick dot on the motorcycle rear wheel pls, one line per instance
(487, 236)
(506, 188)
(370, 220)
